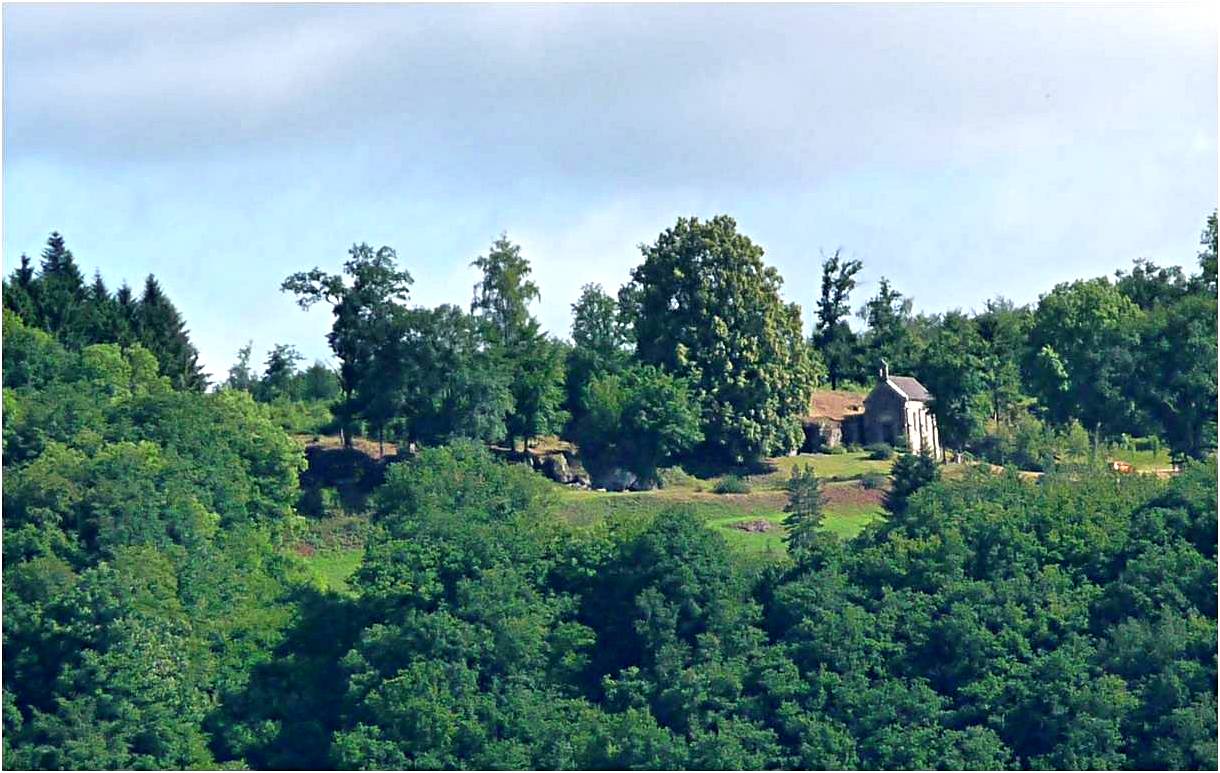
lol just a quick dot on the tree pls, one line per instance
(279, 374)
(1083, 344)
(911, 473)
(160, 328)
(703, 306)
(636, 419)
(1178, 350)
(1149, 286)
(832, 335)
(804, 511)
(1207, 256)
(19, 291)
(318, 382)
(952, 365)
(363, 306)
(1004, 329)
(453, 387)
(599, 345)
(501, 301)
(61, 292)
(241, 377)
(888, 337)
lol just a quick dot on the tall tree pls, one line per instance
(19, 290)
(599, 344)
(1082, 347)
(1207, 255)
(278, 374)
(1004, 328)
(501, 301)
(363, 306)
(241, 375)
(888, 315)
(704, 306)
(61, 292)
(453, 385)
(833, 337)
(952, 365)
(161, 330)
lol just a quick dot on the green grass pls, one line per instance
(335, 567)
(1142, 460)
(718, 511)
(844, 521)
(850, 466)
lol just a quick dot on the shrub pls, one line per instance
(676, 477)
(836, 450)
(732, 484)
(880, 451)
(873, 480)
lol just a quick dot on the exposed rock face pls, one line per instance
(555, 467)
(617, 479)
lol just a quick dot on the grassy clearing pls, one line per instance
(334, 567)
(829, 467)
(1142, 460)
(332, 548)
(848, 510)
(845, 521)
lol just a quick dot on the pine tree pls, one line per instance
(100, 318)
(911, 472)
(61, 293)
(804, 509)
(19, 292)
(160, 329)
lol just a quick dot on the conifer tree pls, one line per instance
(19, 292)
(804, 509)
(61, 293)
(161, 330)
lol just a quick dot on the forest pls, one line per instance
(1027, 608)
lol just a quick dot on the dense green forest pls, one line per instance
(156, 614)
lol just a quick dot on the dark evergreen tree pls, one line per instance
(61, 293)
(161, 330)
(910, 473)
(803, 521)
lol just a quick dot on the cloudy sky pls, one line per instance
(964, 152)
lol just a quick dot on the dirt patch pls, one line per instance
(851, 494)
(758, 526)
(835, 405)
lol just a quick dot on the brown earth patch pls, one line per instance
(851, 494)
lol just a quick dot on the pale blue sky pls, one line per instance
(964, 152)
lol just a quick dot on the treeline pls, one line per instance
(1135, 356)
(55, 298)
(698, 357)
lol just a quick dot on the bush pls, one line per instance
(880, 451)
(676, 477)
(873, 480)
(732, 484)
(836, 450)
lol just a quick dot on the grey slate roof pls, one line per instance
(911, 388)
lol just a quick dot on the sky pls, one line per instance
(964, 152)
